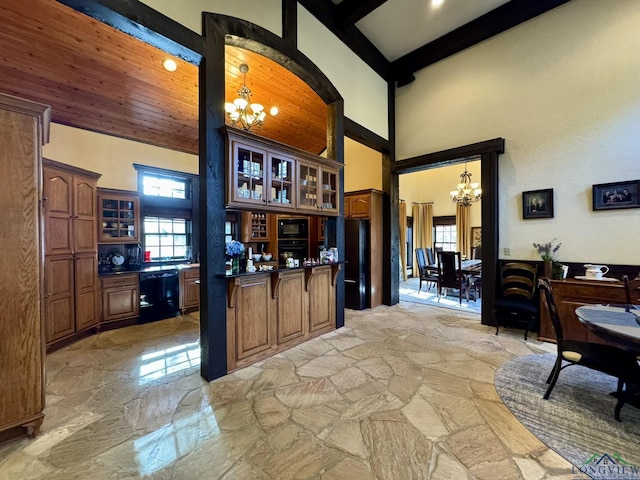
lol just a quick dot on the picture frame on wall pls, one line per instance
(615, 195)
(537, 203)
(476, 236)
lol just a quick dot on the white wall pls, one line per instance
(564, 91)
(364, 92)
(111, 156)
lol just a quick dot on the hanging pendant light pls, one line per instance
(466, 192)
(242, 111)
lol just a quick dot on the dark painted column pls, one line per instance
(335, 225)
(390, 209)
(490, 240)
(213, 321)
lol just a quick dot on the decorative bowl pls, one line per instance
(266, 257)
(256, 257)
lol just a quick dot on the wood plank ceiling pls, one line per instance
(100, 79)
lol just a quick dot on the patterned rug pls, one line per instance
(577, 421)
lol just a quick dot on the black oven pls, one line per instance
(293, 228)
(296, 249)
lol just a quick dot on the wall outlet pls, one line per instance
(507, 252)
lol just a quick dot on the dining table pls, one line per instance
(619, 326)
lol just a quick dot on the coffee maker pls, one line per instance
(134, 257)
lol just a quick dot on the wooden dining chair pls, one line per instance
(449, 272)
(631, 292)
(426, 274)
(517, 302)
(608, 359)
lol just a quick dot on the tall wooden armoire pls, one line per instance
(24, 128)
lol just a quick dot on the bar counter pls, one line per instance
(271, 311)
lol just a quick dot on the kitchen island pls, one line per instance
(268, 312)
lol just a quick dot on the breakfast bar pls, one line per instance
(271, 311)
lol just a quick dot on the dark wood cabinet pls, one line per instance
(71, 250)
(292, 306)
(24, 128)
(120, 297)
(571, 294)
(254, 227)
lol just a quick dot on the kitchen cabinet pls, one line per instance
(120, 297)
(189, 289)
(322, 298)
(254, 227)
(119, 216)
(70, 247)
(318, 189)
(24, 128)
(292, 306)
(263, 174)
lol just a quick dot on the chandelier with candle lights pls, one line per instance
(241, 111)
(466, 192)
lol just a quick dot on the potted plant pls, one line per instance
(547, 251)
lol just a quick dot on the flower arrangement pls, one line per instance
(547, 250)
(234, 248)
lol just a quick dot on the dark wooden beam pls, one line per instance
(360, 134)
(352, 37)
(290, 21)
(351, 11)
(496, 21)
(390, 212)
(452, 155)
(146, 24)
(213, 312)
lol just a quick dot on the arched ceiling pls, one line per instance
(100, 79)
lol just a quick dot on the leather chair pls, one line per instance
(517, 304)
(608, 359)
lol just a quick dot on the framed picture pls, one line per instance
(537, 203)
(476, 236)
(610, 196)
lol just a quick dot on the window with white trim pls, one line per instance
(445, 233)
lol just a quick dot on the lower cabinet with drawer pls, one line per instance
(189, 289)
(120, 300)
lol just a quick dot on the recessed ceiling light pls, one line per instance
(436, 3)
(170, 64)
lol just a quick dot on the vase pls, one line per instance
(548, 268)
(235, 265)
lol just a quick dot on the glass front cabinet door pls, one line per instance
(248, 175)
(318, 188)
(281, 180)
(119, 217)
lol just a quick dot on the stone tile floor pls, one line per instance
(402, 392)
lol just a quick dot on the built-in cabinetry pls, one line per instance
(270, 312)
(24, 128)
(189, 289)
(120, 298)
(263, 174)
(119, 216)
(367, 205)
(254, 227)
(70, 249)
(571, 294)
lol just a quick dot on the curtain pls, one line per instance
(422, 225)
(463, 229)
(402, 213)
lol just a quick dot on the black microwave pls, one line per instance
(293, 228)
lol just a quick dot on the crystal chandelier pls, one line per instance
(241, 111)
(466, 192)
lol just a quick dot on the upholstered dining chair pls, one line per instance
(608, 359)
(426, 274)
(517, 302)
(449, 272)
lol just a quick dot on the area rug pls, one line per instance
(409, 293)
(578, 419)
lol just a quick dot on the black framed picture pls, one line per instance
(537, 203)
(610, 196)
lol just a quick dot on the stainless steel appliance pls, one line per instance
(357, 283)
(293, 228)
(159, 295)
